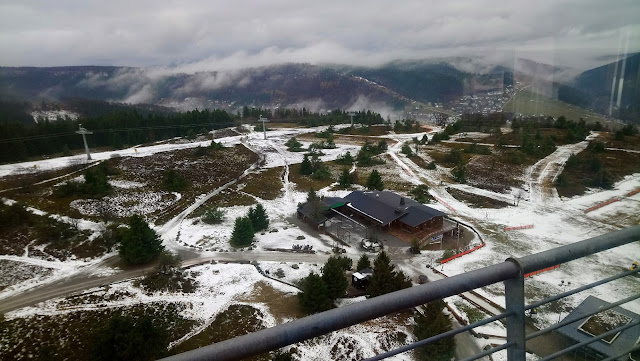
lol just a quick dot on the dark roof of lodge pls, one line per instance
(385, 207)
(625, 340)
(418, 215)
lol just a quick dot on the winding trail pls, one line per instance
(540, 177)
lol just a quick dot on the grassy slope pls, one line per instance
(529, 103)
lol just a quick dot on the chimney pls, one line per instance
(402, 201)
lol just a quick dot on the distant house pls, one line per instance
(584, 329)
(361, 278)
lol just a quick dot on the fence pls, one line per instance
(511, 272)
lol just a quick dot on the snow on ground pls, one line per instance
(59, 270)
(14, 272)
(276, 152)
(126, 205)
(220, 285)
(125, 184)
(293, 271)
(281, 233)
(556, 222)
(53, 115)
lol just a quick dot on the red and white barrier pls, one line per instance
(462, 254)
(601, 205)
(540, 271)
(445, 203)
(632, 193)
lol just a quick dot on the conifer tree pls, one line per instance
(432, 323)
(385, 278)
(306, 168)
(333, 277)
(374, 182)
(242, 234)
(315, 203)
(124, 338)
(314, 296)
(346, 179)
(346, 159)
(259, 218)
(363, 262)
(139, 244)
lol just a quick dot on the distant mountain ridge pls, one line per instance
(599, 83)
(394, 86)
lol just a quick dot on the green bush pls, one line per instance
(95, 185)
(293, 145)
(123, 338)
(139, 244)
(172, 181)
(216, 145)
(213, 215)
(454, 157)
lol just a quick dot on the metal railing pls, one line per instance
(511, 272)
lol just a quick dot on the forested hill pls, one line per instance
(130, 126)
(597, 83)
(288, 85)
(430, 81)
(393, 85)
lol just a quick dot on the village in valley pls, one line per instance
(251, 222)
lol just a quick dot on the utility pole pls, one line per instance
(264, 130)
(84, 132)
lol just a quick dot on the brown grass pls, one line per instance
(304, 183)
(494, 172)
(68, 336)
(203, 174)
(266, 185)
(228, 198)
(617, 163)
(341, 139)
(629, 142)
(281, 305)
(475, 200)
(283, 125)
(237, 320)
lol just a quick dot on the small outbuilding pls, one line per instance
(361, 278)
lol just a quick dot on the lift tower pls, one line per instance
(264, 130)
(352, 114)
(84, 133)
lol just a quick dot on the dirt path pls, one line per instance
(169, 231)
(82, 280)
(540, 177)
(60, 177)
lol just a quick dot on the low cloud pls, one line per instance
(197, 36)
(364, 103)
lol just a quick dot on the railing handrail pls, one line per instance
(579, 249)
(322, 323)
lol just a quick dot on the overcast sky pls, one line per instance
(195, 35)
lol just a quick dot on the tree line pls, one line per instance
(21, 140)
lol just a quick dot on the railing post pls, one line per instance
(514, 300)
